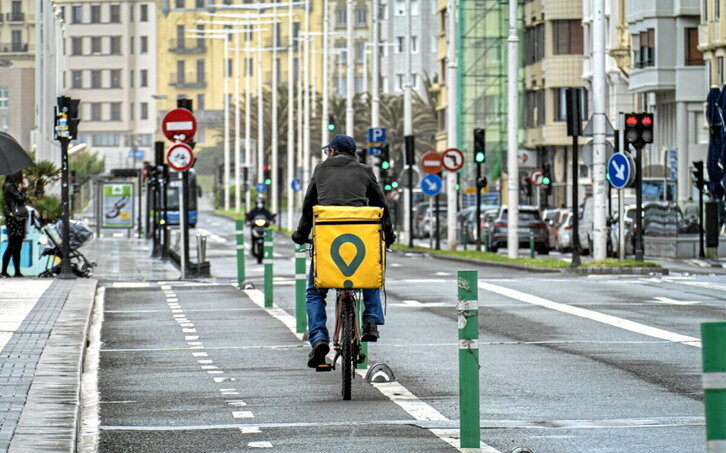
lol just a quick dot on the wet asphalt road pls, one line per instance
(568, 364)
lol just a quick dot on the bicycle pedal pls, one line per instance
(323, 368)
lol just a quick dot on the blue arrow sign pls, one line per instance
(376, 134)
(261, 187)
(431, 185)
(620, 170)
(374, 151)
(296, 185)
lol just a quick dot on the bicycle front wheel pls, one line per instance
(346, 353)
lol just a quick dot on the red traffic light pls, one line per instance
(647, 121)
(631, 120)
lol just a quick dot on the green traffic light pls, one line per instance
(457, 187)
(480, 157)
(331, 127)
(385, 165)
(268, 181)
(546, 180)
(387, 187)
(394, 184)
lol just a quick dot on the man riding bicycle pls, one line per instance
(340, 180)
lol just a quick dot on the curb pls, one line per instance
(567, 270)
(53, 402)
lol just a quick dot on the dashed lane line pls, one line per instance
(602, 318)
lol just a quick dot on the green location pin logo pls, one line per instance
(360, 253)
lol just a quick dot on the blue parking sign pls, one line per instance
(376, 135)
(261, 187)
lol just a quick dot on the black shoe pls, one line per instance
(18, 274)
(370, 332)
(317, 355)
(4, 275)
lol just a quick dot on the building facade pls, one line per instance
(424, 45)
(669, 79)
(110, 66)
(17, 69)
(362, 37)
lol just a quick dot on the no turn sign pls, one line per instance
(535, 177)
(452, 159)
(180, 157)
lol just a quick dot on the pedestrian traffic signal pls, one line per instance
(331, 123)
(639, 129)
(479, 147)
(267, 175)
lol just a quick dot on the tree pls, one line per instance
(86, 164)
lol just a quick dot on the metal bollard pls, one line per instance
(486, 241)
(267, 261)
(240, 234)
(300, 288)
(201, 248)
(713, 339)
(531, 243)
(468, 321)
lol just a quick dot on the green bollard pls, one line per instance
(465, 237)
(300, 287)
(468, 320)
(531, 243)
(363, 345)
(486, 241)
(713, 339)
(240, 234)
(267, 261)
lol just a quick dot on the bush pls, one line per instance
(50, 208)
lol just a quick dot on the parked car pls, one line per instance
(428, 223)
(528, 220)
(629, 228)
(467, 220)
(418, 215)
(563, 241)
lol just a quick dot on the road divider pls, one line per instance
(240, 235)
(267, 261)
(713, 336)
(300, 287)
(467, 313)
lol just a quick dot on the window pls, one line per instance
(716, 10)
(4, 123)
(144, 110)
(4, 98)
(342, 55)
(180, 68)
(534, 44)
(200, 71)
(131, 78)
(179, 3)
(414, 44)
(96, 45)
(719, 70)
(95, 111)
(95, 14)
(77, 14)
(17, 41)
(360, 49)
(144, 44)
(131, 111)
(400, 44)
(131, 11)
(360, 17)
(115, 78)
(560, 104)
(115, 14)
(644, 48)
(340, 15)
(200, 102)
(115, 111)
(250, 65)
(115, 45)
(229, 67)
(180, 36)
(399, 8)
(144, 13)
(199, 3)
(694, 57)
(200, 39)
(106, 140)
(228, 31)
(131, 45)
(414, 80)
(144, 75)
(77, 79)
(534, 108)
(96, 79)
(567, 37)
(401, 79)
(77, 46)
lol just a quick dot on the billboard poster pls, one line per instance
(118, 205)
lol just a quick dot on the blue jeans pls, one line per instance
(315, 306)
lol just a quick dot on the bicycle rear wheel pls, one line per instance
(346, 344)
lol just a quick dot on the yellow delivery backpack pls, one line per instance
(348, 247)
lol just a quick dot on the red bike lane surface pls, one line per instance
(206, 369)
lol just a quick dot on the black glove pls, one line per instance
(298, 238)
(390, 239)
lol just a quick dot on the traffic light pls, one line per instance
(267, 175)
(546, 179)
(66, 118)
(387, 182)
(73, 119)
(639, 129)
(331, 123)
(394, 184)
(479, 148)
(481, 182)
(697, 173)
(385, 157)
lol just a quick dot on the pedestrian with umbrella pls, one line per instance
(13, 159)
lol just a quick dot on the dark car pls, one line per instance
(466, 219)
(528, 220)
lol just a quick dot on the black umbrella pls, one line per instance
(13, 157)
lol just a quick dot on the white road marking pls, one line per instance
(236, 403)
(191, 337)
(669, 301)
(395, 265)
(219, 380)
(194, 343)
(200, 354)
(189, 330)
(179, 316)
(242, 414)
(227, 390)
(209, 367)
(177, 311)
(204, 362)
(215, 372)
(410, 403)
(211, 236)
(197, 347)
(593, 315)
(250, 430)
(417, 280)
(167, 287)
(413, 303)
(131, 285)
(260, 444)
(443, 274)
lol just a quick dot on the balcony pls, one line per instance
(15, 17)
(179, 46)
(187, 80)
(14, 47)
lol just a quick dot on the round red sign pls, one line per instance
(180, 157)
(452, 159)
(179, 125)
(431, 163)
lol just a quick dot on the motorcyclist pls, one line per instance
(340, 180)
(259, 210)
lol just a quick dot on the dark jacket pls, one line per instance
(258, 212)
(12, 198)
(341, 180)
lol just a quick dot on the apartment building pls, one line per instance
(669, 79)
(339, 60)
(424, 45)
(17, 69)
(110, 66)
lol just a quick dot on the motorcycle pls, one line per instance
(259, 225)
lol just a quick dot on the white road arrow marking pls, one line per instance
(666, 300)
(619, 171)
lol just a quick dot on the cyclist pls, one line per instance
(340, 180)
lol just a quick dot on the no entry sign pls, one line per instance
(431, 163)
(179, 125)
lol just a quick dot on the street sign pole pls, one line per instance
(436, 214)
(638, 206)
(410, 152)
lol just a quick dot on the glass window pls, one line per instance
(199, 3)
(4, 96)
(414, 44)
(414, 80)
(115, 14)
(719, 70)
(144, 110)
(400, 79)
(144, 13)
(131, 111)
(115, 111)
(77, 79)
(144, 44)
(77, 46)
(106, 140)
(96, 78)
(115, 45)
(399, 8)
(200, 102)
(131, 45)
(360, 17)
(716, 10)
(643, 44)
(76, 14)
(693, 55)
(115, 78)
(560, 104)
(179, 3)
(534, 44)
(200, 70)
(95, 14)
(360, 51)
(340, 14)
(131, 78)
(131, 11)
(567, 37)
(400, 44)
(96, 45)
(95, 111)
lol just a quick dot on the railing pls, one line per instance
(187, 80)
(179, 46)
(15, 17)
(14, 47)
